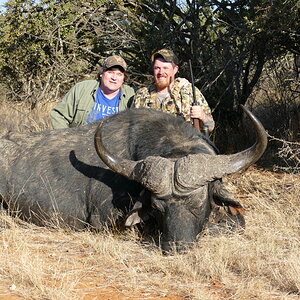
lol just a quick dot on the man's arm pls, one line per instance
(141, 97)
(126, 98)
(203, 113)
(183, 89)
(63, 113)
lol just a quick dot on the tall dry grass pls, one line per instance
(262, 263)
(19, 117)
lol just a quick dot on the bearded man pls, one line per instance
(173, 95)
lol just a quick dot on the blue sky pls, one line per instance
(1, 3)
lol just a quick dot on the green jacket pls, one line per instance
(75, 106)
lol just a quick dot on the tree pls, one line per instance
(229, 43)
(48, 45)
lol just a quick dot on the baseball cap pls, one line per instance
(112, 61)
(166, 54)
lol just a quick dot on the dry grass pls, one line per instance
(262, 263)
(17, 117)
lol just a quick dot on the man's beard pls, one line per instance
(161, 84)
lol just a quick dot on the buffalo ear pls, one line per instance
(234, 211)
(133, 216)
(132, 219)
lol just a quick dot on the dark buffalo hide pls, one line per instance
(160, 169)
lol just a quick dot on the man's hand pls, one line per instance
(197, 112)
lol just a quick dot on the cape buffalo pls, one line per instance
(153, 165)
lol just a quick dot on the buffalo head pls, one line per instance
(180, 188)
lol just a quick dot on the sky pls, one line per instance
(1, 3)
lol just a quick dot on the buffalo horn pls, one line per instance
(149, 172)
(122, 166)
(196, 170)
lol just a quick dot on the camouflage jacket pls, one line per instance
(178, 102)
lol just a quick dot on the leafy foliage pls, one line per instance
(228, 41)
(46, 46)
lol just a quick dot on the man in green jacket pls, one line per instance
(91, 100)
